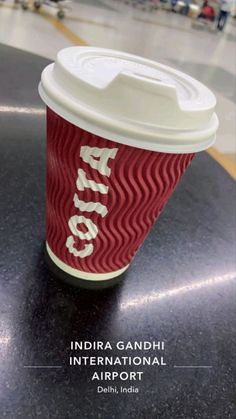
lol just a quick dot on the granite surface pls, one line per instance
(180, 289)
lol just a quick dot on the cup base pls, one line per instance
(82, 279)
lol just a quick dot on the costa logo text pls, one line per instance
(98, 159)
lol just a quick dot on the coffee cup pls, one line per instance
(121, 132)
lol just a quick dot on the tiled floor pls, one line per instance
(159, 35)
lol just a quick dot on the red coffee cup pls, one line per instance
(121, 131)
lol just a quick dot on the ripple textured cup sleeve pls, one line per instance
(102, 198)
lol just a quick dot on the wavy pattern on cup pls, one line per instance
(139, 186)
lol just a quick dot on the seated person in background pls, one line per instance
(207, 12)
(185, 9)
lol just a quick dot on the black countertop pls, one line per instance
(180, 289)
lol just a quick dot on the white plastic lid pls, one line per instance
(130, 100)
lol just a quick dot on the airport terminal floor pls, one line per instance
(180, 289)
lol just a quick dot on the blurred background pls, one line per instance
(195, 36)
